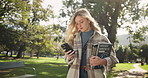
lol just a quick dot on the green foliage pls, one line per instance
(138, 35)
(21, 30)
(110, 14)
(144, 50)
(128, 54)
(144, 53)
(120, 54)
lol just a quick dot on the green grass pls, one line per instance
(123, 66)
(145, 67)
(120, 67)
(49, 67)
(53, 68)
(46, 67)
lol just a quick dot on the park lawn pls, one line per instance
(45, 67)
(48, 67)
(123, 66)
(53, 68)
(120, 67)
(145, 67)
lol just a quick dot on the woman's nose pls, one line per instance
(79, 25)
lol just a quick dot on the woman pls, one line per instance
(82, 33)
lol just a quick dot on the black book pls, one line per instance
(102, 50)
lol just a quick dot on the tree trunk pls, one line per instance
(20, 52)
(38, 54)
(7, 53)
(146, 60)
(112, 31)
(11, 54)
(19, 55)
(32, 53)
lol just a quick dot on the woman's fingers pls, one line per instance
(67, 53)
(70, 54)
(95, 60)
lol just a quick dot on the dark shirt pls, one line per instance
(85, 37)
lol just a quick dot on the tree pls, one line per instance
(136, 17)
(21, 17)
(127, 52)
(121, 54)
(138, 35)
(9, 38)
(144, 52)
(110, 14)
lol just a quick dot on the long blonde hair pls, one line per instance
(72, 28)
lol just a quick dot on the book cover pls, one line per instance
(101, 50)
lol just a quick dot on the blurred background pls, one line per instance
(35, 28)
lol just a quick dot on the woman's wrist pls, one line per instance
(69, 59)
(103, 62)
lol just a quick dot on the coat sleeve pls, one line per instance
(112, 60)
(69, 62)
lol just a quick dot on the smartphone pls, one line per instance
(67, 47)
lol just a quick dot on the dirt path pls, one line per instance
(137, 72)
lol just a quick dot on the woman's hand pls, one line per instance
(95, 61)
(69, 54)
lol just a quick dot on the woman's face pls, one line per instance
(82, 24)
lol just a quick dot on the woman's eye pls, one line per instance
(81, 21)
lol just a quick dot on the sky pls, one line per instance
(57, 5)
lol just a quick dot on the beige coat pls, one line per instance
(75, 63)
